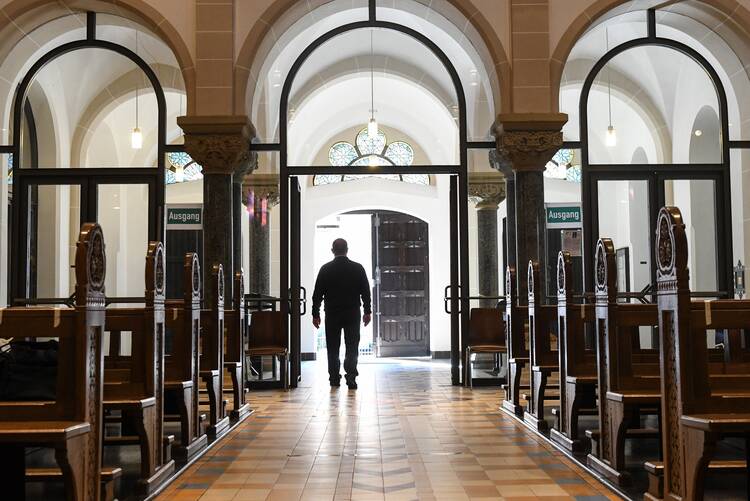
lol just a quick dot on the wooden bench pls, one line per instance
(577, 359)
(72, 423)
(134, 382)
(516, 318)
(235, 345)
(486, 335)
(212, 356)
(628, 377)
(698, 408)
(183, 318)
(543, 358)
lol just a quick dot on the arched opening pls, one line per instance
(87, 139)
(638, 85)
(432, 99)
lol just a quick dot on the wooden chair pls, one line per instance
(212, 356)
(486, 335)
(577, 360)
(134, 383)
(628, 379)
(267, 337)
(698, 408)
(236, 339)
(516, 317)
(72, 423)
(543, 358)
(181, 384)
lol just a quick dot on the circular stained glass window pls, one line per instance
(371, 151)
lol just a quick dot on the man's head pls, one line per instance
(340, 247)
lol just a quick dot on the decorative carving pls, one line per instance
(97, 261)
(159, 271)
(220, 285)
(601, 267)
(664, 245)
(529, 150)
(530, 278)
(501, 162)
(561, 273)
(672, 419)
(486, 190)
(259, 187)
(196, 273)
(220, 144)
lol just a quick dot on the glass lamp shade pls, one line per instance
(372, 128)
(611, 139)
(136, 139)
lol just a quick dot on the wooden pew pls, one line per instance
(72, 423)
(577, 361)
(212, 356)
(235, 345)
(134, 383)
(183, 318)
(698, 408)
(628, 378)
(543, 359)
(516, 317)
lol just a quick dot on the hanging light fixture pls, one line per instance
(136, 137)
(372, 126)
(611, 137)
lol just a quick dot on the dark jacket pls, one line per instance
(340, 283)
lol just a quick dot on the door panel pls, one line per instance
(402, 288)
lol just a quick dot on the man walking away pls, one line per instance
(340, 284)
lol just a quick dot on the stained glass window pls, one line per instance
(182, 168)
(562, 166)
(10, 170)
(371, 151)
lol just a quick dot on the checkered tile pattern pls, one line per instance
(405, 434)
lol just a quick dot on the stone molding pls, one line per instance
(263, 186)
(220, 144)
(528, 141)
(486, 190)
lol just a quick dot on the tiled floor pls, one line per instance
(406, 433)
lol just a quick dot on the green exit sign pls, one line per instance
(185, 217)
(564, 216)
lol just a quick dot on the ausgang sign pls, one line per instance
(564, 216)
(184, 217)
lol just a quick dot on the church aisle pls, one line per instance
(406, 433)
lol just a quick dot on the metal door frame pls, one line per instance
(459, 231)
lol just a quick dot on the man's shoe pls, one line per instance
(335, 384)
(352, 385)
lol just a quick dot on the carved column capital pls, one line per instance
(529, 141)
(261, 186)
(487, 190)
(221, 144)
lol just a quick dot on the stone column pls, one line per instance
(487, 191)
(221, 145)
(261, 191)
(528, 142)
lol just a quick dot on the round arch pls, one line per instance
(29, 15)
(253, 49)
(600, 8)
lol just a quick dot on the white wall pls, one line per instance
(429, 203)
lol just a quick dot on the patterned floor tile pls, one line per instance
(405, 434)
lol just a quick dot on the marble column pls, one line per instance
(527, 142)
(261, 191)
(487, 191)
(221, 145)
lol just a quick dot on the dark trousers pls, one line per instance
(347, 321)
